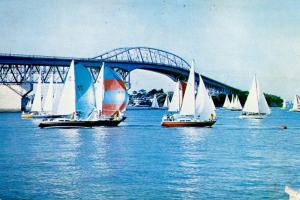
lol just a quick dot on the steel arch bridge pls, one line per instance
(23, 70)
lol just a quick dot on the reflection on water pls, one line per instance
(192, 158)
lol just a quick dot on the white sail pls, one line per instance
(226, 102)
(99, 89)
(204, 107)
(37, 101)
(296, 103)
(262, 102)
(283, 104)
(251, 104)
(212, 103)
(237, 103)
(49, 100)
(232, 101)
(154, 102)
(67, 102)
(176, 102)
(167, 102)
(256, 101)
(188, 104)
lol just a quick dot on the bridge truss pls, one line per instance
(24, 70)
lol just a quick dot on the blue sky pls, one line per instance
(229, 40)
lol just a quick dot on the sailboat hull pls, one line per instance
(46, 116)
(78, 124)
(188, 124)
(26, 116)
(253, 116)
(294, 110)
(235, 109)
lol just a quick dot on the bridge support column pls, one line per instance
(25, 99)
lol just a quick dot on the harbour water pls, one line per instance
(236, 159)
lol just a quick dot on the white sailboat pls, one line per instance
(167, 102)
(226, 104)
(256, 105)
(154, 103)
(296, 104)
(79, 101)
(284, 105)
(197, 111)
(176, 102)
(236, 104)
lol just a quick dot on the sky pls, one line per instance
(230, 40)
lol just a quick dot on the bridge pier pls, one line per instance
(24, 98)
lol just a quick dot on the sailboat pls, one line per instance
(154, 104)
(236, 104)
(226, 104)
(256, 105)
(81, 99)
(197, 112)
(167, 102)
(296, 104)
(284, 105)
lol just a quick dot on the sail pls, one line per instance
(296, 103)
(204, 107)
(37, 101)
(251, 104)
(188, 104)
(212, 103)
(232, 102)
(99, 89)
(176, 102)
(237, 103)
(167, 102)
(284, 104)
(67, 102)
(154, 102)
(115, 93)
(49, 100)
(226, 103)
(84, 90)
(262, 102)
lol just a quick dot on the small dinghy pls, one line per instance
(196, 112)
(256, 105)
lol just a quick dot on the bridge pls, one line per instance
(23, 70)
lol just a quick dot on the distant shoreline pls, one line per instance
(10, 110)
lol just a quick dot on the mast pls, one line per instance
(257, 94)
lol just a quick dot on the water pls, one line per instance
(236, 159)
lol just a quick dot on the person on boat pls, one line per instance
(212, 117)
(116, 115)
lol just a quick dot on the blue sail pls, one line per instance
(85, 101)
